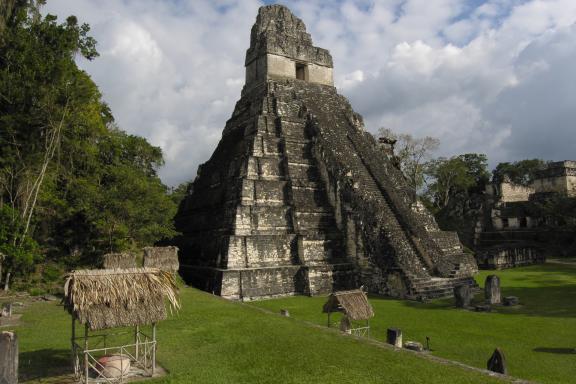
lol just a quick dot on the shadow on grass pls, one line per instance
(563, 351)
(543, 302)
(44, 363)
(548, 292)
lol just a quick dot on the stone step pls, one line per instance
(440, 292)
(292, 110)
(310, 184)
(290, 130)
(310, 199)
(314, 220)
(303, 171)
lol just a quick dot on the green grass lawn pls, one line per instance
(538, 337)
(216, 341)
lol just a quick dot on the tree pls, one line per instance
(70, 180)
(411, 153)
(521, 172)
(179, 193)
(37, 72)
(25, 254)
(453, 176)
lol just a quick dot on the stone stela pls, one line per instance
(298, 198)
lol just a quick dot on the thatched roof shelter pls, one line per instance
(354, 304)
(119, 260)
(164, 258)
(109, 298)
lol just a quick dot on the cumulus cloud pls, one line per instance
(493, 76)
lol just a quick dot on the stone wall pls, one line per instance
(503, 257)
(512, 192)
(558, 177)
(320, 74)
(280, 67)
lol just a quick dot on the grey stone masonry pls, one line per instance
(394, 337)
(298, 199)
(463, 296)
(492, 290)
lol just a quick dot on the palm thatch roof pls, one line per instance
(119, 260)
(164, 258)
(109, 298)
(354, 304)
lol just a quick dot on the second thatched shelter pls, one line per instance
(355, 307)
(111, 298)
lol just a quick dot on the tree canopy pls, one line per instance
(520, 172)
(72, 184)
(411, 154)
(455, 176)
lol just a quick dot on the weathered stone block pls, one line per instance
(270, 168)
(314, 220)
(269, 192)
(272, 146)
(6, 310)
(394, 337)
(463, 295)
(275, 219)
(414, 346)
(492, 290)
(317, 250)
(320, 280)
(270, 250)
(511, 300)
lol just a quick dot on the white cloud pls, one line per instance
(495, 77)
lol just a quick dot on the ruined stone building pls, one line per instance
(297, 198)
(509, 233)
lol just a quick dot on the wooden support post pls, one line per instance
(73, 345)
(153, 348)
(136, 331)
(7, 282)
(86, 366)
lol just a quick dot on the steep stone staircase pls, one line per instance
(416, 266)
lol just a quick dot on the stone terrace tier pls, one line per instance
(258, 222)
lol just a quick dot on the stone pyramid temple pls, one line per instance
(299, 199)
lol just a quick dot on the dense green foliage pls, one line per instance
(559, 212)
(70, 180)
(520, 172)
(455, 178)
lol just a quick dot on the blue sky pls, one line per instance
(493, 76)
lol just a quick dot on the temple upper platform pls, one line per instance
(281, 48)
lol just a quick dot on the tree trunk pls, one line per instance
(52, 143)
(7, 282)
